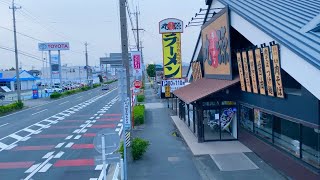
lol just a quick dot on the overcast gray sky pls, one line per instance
(94, 21)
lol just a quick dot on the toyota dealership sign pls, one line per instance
(54, 46)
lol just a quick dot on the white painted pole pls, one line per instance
(104, 158)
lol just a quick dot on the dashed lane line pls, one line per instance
(39, 112)
(64, 103)
(4, 124)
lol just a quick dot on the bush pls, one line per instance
(85, 88)
(140, 98)
(138, 114)
(11, 107)
(121, 149)
(96, 85)
(112, 81)
(139, 147)
(55, 95)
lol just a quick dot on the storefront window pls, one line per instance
(263, 124)
(311, 146)
(246, 118)
(211, 124)
(287, 135)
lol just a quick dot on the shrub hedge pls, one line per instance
(11, 107)
(138, 114)
(140, 98)
(55, 95)
(139, 147)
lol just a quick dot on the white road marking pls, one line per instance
(64, 103)
(3, 146)
(77, 131)
(77, 137)
(60, 145)
(79, 97)
(37, 132)
(42, 125)
(57, 156)
(88, 121)
(4, 124)
(120, 124)
(91, 117)
(50, 121)
(102, 175)
(89, 125)
(14, 136)
(93, 179)
(32, 168)
(29, 130)
(97, 117)
(48, 155)
(99, 167)
(69, 145)
(94, 121)
(39, 112)
(121, 120)
(25, 138)
(38, 168)
(118, 129)
(45, 168)
(82, 125)
(11, 146)
(95, 114)
(84, 131)
(69, 137)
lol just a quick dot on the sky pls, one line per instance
(92, 21)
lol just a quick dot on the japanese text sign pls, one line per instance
(277, 70)
(136, 63)
(240, 68)
(260, 71)
(253, 71)
(171, 43)
(246, 70)
(170, 25)
(267, 67)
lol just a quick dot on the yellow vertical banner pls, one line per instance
(246, 70)
(172, 65)
(277, 70)
(240, 68)
(267, 67)
(253, 71)
(262, 88)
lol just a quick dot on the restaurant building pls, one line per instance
(255, 77)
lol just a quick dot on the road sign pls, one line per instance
(110, 158)
(173, 83)
(53, 46)
(111, 139)
(167, 91)
(126, 114)
(137, 84)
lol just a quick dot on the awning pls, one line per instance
(202, 88)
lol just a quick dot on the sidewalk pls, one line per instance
(168, 157)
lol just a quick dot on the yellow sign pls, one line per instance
(240, 68)
(246, 71)
(171, 43)
(277, 70)
(253, 72)
(267, 67)
(167, 91)
(260, 71)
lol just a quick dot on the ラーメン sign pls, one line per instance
(53, 46)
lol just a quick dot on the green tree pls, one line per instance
(151, 70)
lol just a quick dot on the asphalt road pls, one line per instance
(55, 140)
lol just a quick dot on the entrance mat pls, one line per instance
(233, 162)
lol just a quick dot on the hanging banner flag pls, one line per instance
(171, 30)
(253, 71)
(246, 71)
(277, 70)
(136, 64)
(240, 68)
(267, 67)
(260, 71)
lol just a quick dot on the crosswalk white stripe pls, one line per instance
(41, 125)
(48, 155)
(76, 131)
(51, 121)
(45, 168)
(77, 137)
(14, 136)
(69, 145)
(99, 167)
(69, 137)
(60, 145)
(29, 130)
(57, 156)
(32, 168)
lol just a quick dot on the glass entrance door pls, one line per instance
(211, 125)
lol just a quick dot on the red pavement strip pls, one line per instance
(82, 146)
(104, 126)
(89, 135)
(109, 119)
(33, 148)
(51, 135)
(75, 162)
(112, 115)
(15, 165)
(74, 120)
(63, 127)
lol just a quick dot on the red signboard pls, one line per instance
(137, 84)
(136, 62)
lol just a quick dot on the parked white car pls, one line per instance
(53, 89)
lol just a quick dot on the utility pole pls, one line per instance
(87, 64)
(16, 49)
(137, 29)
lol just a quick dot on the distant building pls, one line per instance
(8, 79)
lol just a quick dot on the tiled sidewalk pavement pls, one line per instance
(168, 157)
